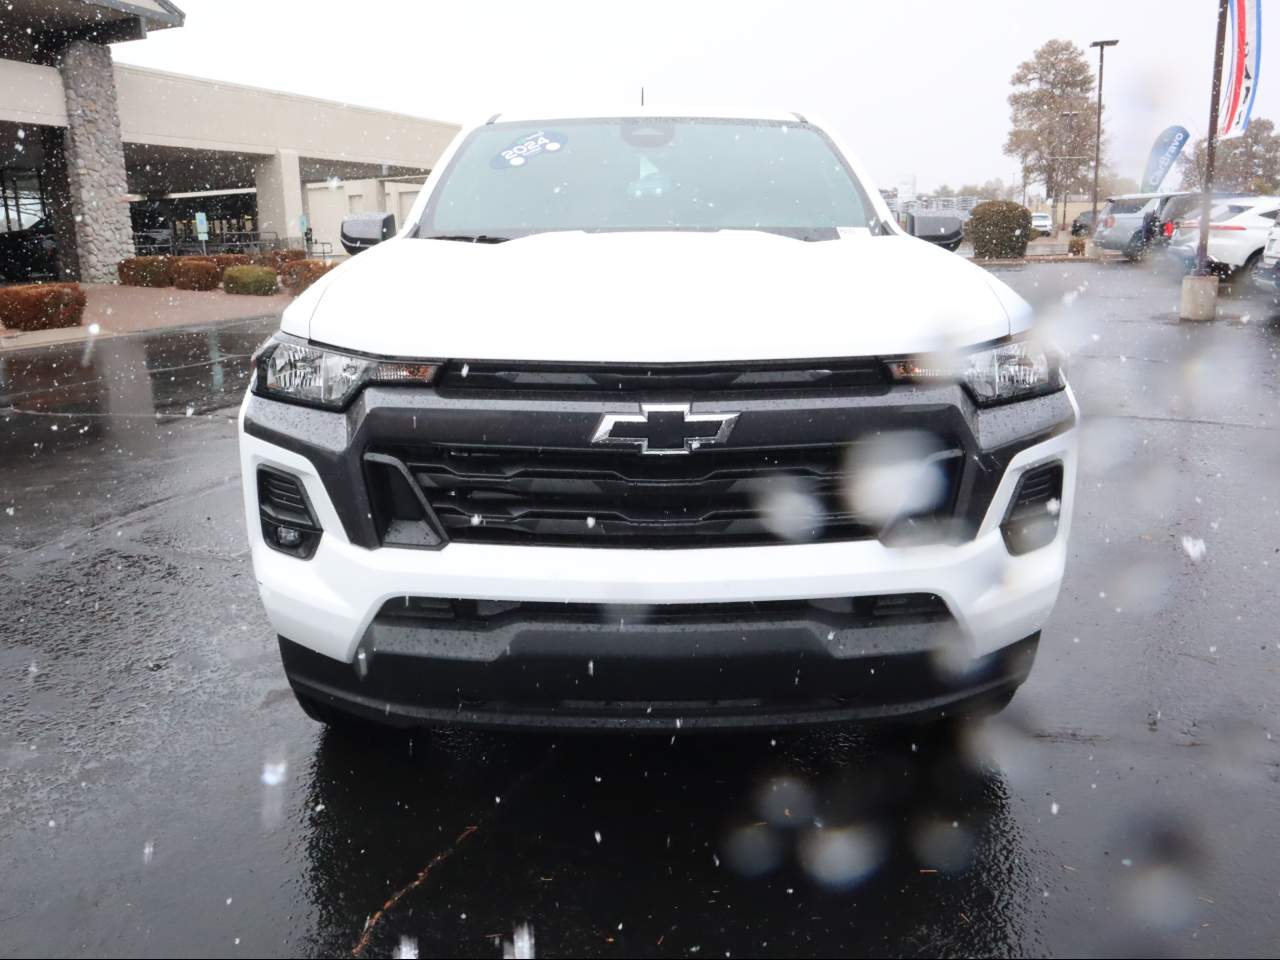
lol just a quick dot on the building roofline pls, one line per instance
(281, 94)
(168, 16)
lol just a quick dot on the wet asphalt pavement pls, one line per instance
(161, 793)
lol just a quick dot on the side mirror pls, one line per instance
(945, 230)
(360, 231)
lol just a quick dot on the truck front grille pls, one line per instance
(488, 494)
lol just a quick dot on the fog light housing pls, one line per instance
(289, 525)
(1031, 521)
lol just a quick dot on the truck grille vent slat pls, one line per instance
(605, 498)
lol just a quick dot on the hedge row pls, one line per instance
(183, 272)
(275, 259)
(297, 275)
(41, 306)
(146, 271)
(192, 273)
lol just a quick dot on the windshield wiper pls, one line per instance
(467, 238)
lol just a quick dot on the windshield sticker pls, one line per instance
(526, 147)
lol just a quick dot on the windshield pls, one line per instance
(1125, 206)
(1179, 207)
(510, 180)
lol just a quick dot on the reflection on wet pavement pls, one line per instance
(73, 385)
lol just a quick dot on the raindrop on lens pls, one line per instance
(843, 857)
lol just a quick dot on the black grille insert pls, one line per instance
(608, 498)
(884, 610)
(281, 498)
(863, 374)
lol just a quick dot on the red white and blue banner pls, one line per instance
(1241, 59)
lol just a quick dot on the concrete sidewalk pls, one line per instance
(113, 310)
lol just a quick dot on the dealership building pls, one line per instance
(104, 159)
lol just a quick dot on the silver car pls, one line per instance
(1126, 223)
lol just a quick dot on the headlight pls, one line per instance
(287, 368)
(1009, 371)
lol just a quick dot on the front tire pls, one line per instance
(1240, 281)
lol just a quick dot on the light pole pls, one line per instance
(1097, 135)
(1062, 187)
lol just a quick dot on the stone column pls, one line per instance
(279, 182)
(94, 151)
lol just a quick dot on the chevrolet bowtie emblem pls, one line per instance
(664, 428)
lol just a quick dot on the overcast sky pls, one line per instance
(913, 88)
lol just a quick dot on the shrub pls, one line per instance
(297, 275)
(146, 271)
(224, 260)
(1075, 246)
(41, 306)
(999, 230)
(194, 273)
(275, 259)
(257, 281)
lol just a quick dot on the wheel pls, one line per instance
(1239, 282)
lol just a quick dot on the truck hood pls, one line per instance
(656, 297)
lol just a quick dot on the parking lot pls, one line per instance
(163, 794)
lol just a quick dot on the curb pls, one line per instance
(1045, 258)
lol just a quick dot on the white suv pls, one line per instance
(654, 422)
(1238, 228)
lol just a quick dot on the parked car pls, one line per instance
(1267, 276)
(28, 254)
(726, 448)
(1042, 224)
(1169, 213)
(1129, 223)
(1082, 225)
(1238, 231)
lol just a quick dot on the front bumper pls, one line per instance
(1217, 262)
(336, 647)
(1114, 239)
(638, 678)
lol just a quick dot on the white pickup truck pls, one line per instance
(654, 421)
